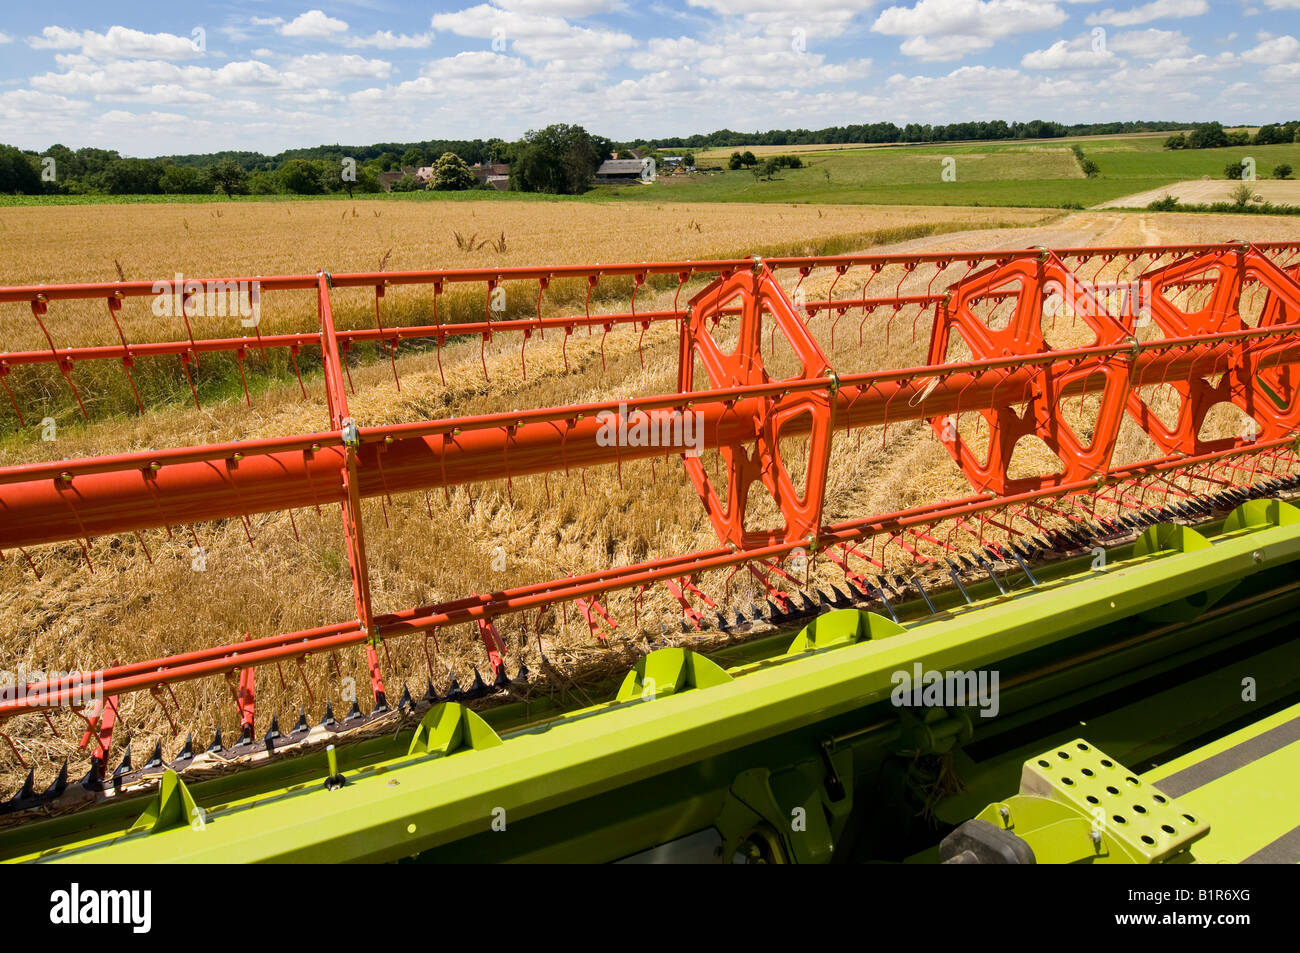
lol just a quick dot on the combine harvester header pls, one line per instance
(823, 723)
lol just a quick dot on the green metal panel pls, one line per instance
(1251, 795)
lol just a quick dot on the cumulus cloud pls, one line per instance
(118, 41)
(941, 30)
(1274, 51)
(314, 23)
(931, 49)
(1069, 55)
(388, 40)
(1150, 44)
(983, 18)
(538, 37)
(560, 8)
(824, 18)
(1157, 10)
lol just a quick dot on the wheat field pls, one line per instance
(142, 597)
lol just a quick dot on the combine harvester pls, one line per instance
(1097, 663)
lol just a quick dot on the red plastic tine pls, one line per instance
(682, 277)
(345, 348)
(27, 556)
(115, 305)
(875, 270)
(392, 358)
(379, 318)
(592, 281)
(839, 273)
(243, 381)
(542, 284)
(156, 692)
(908, 268)
(293, 357)
(637, 281)
(185, 314)
(39, 307)
(389, 345)
(804, 272)
(185, 358)
(487, 307)
(4, 374)
(144, 546)
(645, 326)
(14, 748)
(939, 268)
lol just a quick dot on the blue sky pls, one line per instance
(159, 78)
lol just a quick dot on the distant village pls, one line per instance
(496, 175)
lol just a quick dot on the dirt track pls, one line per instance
(1207, 191)
(1097, 227)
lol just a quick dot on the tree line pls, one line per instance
(1212, 135)
(559, 159)
(884, 132)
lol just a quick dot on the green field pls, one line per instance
(1039, 174)
(1042, 174)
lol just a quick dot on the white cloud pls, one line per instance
(1150, 44)
(827, 18)
(940, 30)
(1282, 4)
(323, 68)
(387, 40)
(1065, 55)
(582, 44)
(807, 10)
(313, 23)
(1283, 72)
(560, 8)
(983, 18)
(764, 61)
(943, 48)
(540, 38)
(664, 53)
(5, 38)
(476, 65)
(310, 78)
(1275, 51)
(28, 105)
(488, 22)
(118, 42)
(1157, 10)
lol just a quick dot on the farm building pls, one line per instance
(495, 174)
(619, 171)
